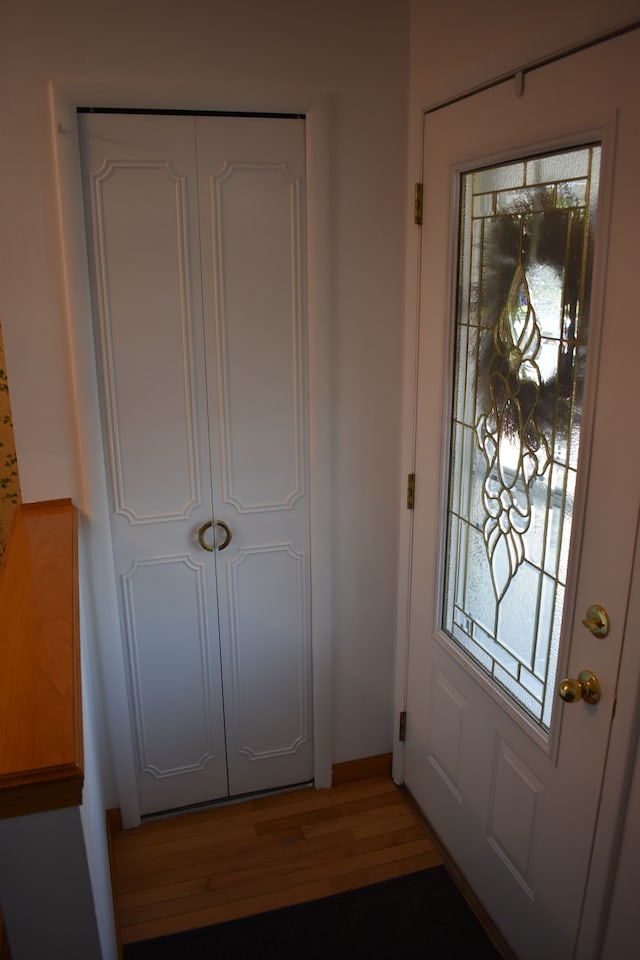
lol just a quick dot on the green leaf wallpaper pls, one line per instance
(9, 480)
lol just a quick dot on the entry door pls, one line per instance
(196, 229)
(527, 479)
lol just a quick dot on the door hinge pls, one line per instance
(411, 491)
(402, 729)
(417, 204)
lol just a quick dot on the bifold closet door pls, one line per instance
(196, 244)
(251, 183)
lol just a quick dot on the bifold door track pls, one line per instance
(223, 802)
(143, 111)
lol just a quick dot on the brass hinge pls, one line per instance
(411, 491)
(417, 204)
(402, 730)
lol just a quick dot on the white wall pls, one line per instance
(237, 56)
(47, 899)
(457, 45)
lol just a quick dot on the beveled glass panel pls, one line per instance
(525, 264)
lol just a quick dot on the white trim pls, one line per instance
(413, 248)
(64, 98)
(102, 605)
(319, 273)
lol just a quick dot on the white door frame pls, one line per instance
(98, 585)
(622, 746)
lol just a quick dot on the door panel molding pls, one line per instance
(285, 623)
(512, 812)
(445, 738)
(149, 750)
(268, 195)
(180, 434)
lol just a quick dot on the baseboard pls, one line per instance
(378, 766)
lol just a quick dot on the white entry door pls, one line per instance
(527, 479)
(196, 226)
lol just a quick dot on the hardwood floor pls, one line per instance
(233, 861)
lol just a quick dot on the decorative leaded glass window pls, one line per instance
(524, 279)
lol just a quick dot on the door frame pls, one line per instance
(624, 750)
(100, 604)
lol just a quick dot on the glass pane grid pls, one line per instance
(526, 243)
(502, 668)
(509, 203)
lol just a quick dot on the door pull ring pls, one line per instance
(227, 535)
(201, 532)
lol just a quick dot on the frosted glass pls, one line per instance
(463, 350)
(559, 166)
(456, 475)
(498, 178)
(518, 614)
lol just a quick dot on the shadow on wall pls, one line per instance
(9, 480)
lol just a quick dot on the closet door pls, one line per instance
(142, 212)
(251, 181)
(197, 235)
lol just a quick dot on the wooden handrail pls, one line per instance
(41, 762)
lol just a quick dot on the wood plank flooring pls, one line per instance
(233, 861)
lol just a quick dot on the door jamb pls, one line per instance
(101, 602)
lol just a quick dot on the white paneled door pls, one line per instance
(527, 480)
(197, 242)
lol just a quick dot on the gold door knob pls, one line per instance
(586, 687)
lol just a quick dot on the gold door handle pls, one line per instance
(586, 687)
(597, 621)
(227, 535)
(201, 532)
